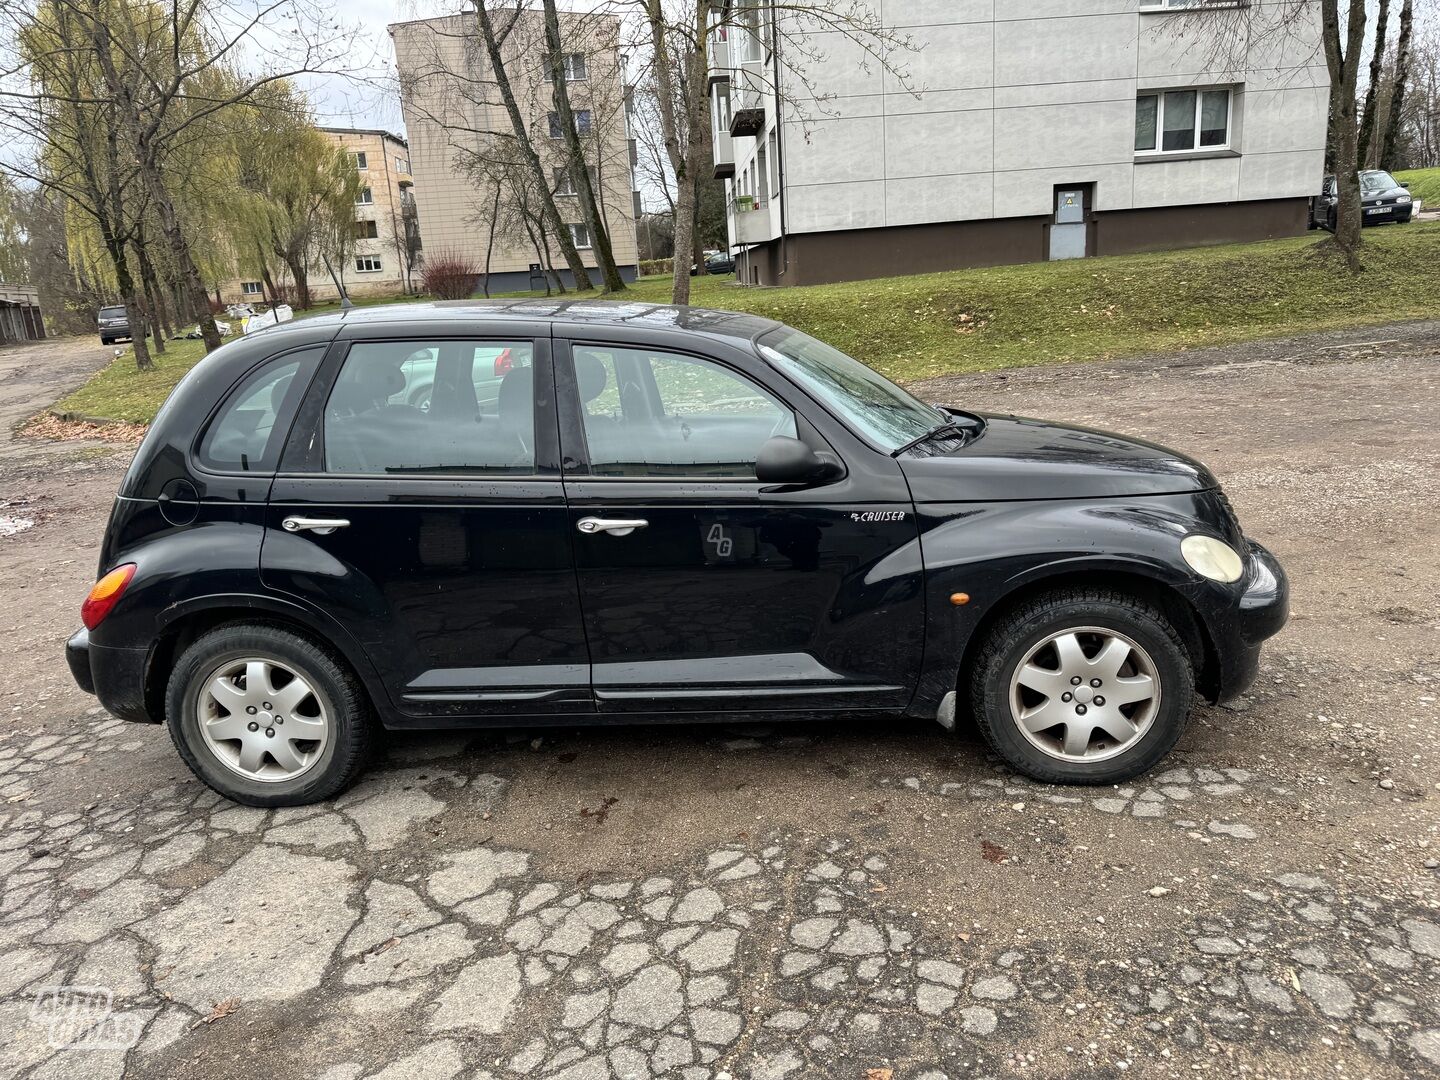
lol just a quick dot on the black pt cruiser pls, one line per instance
(622, 513)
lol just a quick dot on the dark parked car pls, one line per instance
(661, 514)
(1383, 199)
(114, 323)
(717, 262)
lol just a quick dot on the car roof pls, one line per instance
(561, 313)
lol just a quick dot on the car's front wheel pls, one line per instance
(267, 717)
(1082, 686)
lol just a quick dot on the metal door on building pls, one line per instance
(1069, 232)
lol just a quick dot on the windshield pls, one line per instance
(1375, 180)
(870, 403)
(112, 313)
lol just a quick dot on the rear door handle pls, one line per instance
(615, 526)
(319, 526)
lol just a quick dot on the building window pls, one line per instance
(365, 198)
(572, 64)
(1179, 121)
(1160, 5)
(580, 234)
(252, 288)
(366, 230)
(582, 123)
(367, 264)
(565, 180)
(359, 158)
(402, 165)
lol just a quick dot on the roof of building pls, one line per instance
(366, 131)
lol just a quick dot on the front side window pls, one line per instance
(1178, 121)
(660, 414)
(248, 431)
(432, 407)
(877, 409)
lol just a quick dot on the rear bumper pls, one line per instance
(1262, 610)
(115, 676)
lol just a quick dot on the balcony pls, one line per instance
(720, 60)
(724, 155)
(753, 224)
(747, 97)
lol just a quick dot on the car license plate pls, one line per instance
(1377, 210)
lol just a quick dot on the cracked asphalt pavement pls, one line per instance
(879, 901)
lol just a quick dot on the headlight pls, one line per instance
(1211, 558)
(1403, 200)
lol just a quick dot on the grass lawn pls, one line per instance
(1039, 313)
(1424, 184)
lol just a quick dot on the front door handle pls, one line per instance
(615, 526)
(319, 526)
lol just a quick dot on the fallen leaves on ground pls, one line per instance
(49, 426)
(221, 1009)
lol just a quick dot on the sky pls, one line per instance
(371, 101)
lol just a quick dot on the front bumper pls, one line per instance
(115, 676)
(1387, 214)
(1237, 633)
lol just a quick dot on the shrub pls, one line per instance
(448, 275)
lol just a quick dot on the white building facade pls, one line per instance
(1018, 131)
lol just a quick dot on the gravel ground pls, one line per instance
(881, 902)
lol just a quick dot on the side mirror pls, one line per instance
(783, 460)
(1405, 186)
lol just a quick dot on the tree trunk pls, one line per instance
(1367, 150)
(152, 291)
(527, 148)
(300, 274)
(684, 157)
(575, 155)
(490, 238)
(122, 92)
(1343, 59)
(134, 308)
(1402, 78)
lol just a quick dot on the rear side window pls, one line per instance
(249, 430)
(433, 406)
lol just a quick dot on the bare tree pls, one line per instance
(1386, 157)
(1343, 45)
(577, 163)
(1369, 147)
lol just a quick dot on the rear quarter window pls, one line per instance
(248, 431)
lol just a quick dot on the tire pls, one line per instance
(1097, 619)
(306, 771)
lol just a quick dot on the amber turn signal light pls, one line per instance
(959, 599)
(104, 594)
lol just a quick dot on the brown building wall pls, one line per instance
(852, 255)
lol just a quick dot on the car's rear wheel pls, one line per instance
(267, 717)
(1082, 686)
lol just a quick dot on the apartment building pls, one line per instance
(387, 234)
(1018, 132)
(385, 261)
(465, 160)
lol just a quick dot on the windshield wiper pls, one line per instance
(949, 424)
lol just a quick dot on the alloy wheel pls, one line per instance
(1085, 694)
(262, 719)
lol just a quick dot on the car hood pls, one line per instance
(1010, 458)
(1380, 194)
